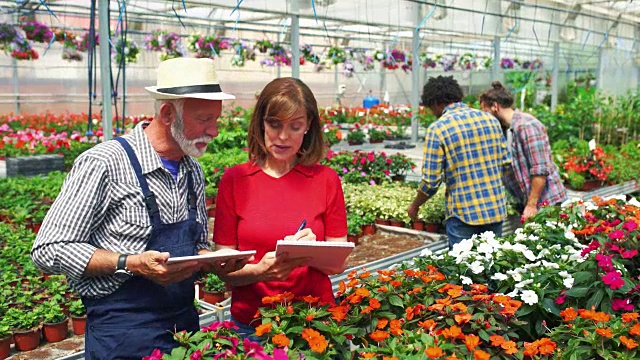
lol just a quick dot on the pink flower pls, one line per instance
(630, 225)
(560, 299)
(280, 354)
(621, 305)
(197, 355)
(563, 216)
(616, 235)
(604, 262)
(155, 355)
(629, 254)
(613, 279)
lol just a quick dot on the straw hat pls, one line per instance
(187, 78)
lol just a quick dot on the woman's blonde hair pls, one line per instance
(281, 99)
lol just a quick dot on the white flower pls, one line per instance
(534, 237)
(513, 294)
(529, 297)
(499, 277)
(569, 202)
(616, 197)
(539, 247)
(543, 253)
(426, 252)
(568, 282)
(476, 267)
(485, 248)
(589, 206)
(462, 248)
(532, 265)
(634, 202)
(506, 246)
(570, 235)
(550, 265)
(515, 275)
(564, 257)
(465, 280)
(524, 283)
(529, 255)
(564, 274)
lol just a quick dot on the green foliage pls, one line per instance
(356, 136)
(51, 312)
(77, 309)
(213, 283)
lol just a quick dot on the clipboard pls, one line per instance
(326, 256)
(213, 256)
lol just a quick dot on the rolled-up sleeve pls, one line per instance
(433, 163)
(537, 148)
(62, 245)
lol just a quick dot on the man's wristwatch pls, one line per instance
(122, 273)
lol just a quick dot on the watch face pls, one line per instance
(122, 275)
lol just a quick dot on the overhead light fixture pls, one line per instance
(510, 19)
(568, 31)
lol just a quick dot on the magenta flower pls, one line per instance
(621, 305)
(560, 299)
(155, 355)
(563, 216)
(616, 235)
(629, 254)
(630, 226)
(197, 355)
(280, 354)
(613, 279)
(604, 262)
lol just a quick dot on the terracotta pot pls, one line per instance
(5, 347)
(368, 229)
(213, 297)
(418, 225)
(398, 178)
(383, 222)
(78, 323)
(210, 201)
(355, 142)
(353, 238)
(591, 185)
(27, 340)
(375, 141)
(432, 228)
(397, 223)
(54, 332)
(211, 212)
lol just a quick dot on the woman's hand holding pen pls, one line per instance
(302, 234)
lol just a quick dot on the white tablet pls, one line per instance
(213, 256)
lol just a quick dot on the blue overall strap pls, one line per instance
(149, 197)
(191, 194)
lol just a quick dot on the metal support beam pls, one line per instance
(105, 69)
(495, 69)
(295, 40)
(554, 76)
(599, 72)
(295, 46)
(415, 77)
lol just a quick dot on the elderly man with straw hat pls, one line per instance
(130, 204)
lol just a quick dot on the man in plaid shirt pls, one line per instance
(466, 149)
(534, 179)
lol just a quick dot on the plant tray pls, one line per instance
(605, 191)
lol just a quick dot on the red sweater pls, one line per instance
(254, 210)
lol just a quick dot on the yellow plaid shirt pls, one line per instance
(467, 149)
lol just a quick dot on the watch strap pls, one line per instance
(122, 262)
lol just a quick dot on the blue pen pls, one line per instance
(302, 225)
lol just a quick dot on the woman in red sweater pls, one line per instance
(267, 198)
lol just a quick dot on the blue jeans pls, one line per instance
(458, 230)
(246, 331)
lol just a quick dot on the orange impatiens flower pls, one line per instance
(635, 330)
(459, 307)
(477, 289)
(497, 340)
(629, 343)
(462, 318)
(546, 346)
(604, 332)
(280, 340)
(309, 317)
(389, 358)
(569, 314)
(434, 352)
(310, 299)
(395, 327)
(481, 355)
(367, 355)
(316, 341)
(440, 304)
(263, 329)
(629, 317)
(453, 332)
(428, 325)
(601, 317)
(382, 323)
(379, 335)
(452, 357)
(471, 342)
(509, 347)
(365, 275)
(414, 291)
(338, 313)
(586, 314)
(395, 283)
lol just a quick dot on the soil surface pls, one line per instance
(381, 245)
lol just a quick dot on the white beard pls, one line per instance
(188, 146)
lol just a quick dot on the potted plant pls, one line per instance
(78, 314)
(355, 136)
(214, 289)
(26, 328)
(353, 228)
(376, 135)
(5, 339)
(368, 227)
(433, 212)
(56, 323)
(399, 165)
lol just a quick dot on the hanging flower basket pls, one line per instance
(127, 51)
(263, 45)
(168, 43)
(208, 46)
(38, 32)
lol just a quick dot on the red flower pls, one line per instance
(629, 254)
(613, 279)
(621, 305)
(616, 235)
